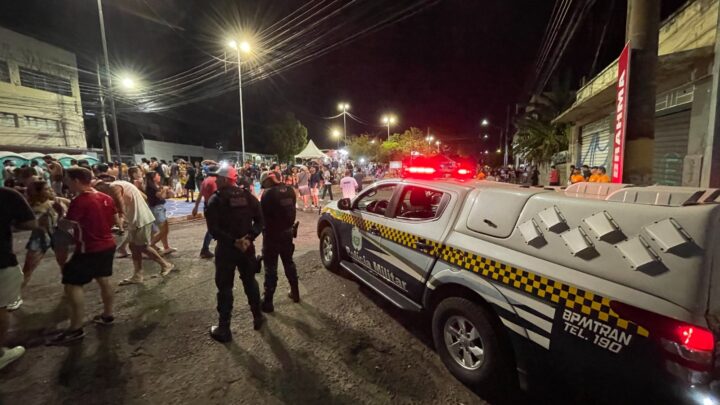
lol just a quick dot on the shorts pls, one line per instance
(140, 236)
(11, 279)
(159, 213)
(40, 241)
(304, 190)
(314, 191)
(84, 267)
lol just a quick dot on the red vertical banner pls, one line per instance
(618, 155)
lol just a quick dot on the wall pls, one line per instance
(692, 27)
(22, 51)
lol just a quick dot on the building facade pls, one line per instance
(684, 121)
(40, 105)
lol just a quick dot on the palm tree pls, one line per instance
(538, 138)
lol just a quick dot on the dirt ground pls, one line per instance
(341, 344)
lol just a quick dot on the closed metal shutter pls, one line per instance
(671, 146)
(595, 143)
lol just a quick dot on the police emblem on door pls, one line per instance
(356, 238)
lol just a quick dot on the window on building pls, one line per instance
(42, 124)
(8, 120)
(4, 72)
(43, 81)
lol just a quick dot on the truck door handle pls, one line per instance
(424, 246)
(374, 230)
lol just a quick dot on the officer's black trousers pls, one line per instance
(225, 266)
(284, 249)
(327, 189)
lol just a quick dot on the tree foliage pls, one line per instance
(398, 146)
(286, 136)
(364, 146)
(538, 138)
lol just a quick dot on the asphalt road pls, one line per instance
(341, 344)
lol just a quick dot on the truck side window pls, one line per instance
(376, 200)
(419, 203)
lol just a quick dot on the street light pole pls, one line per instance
(242, 124)
(109, 80)
(103, 121)
(388, 120)
(343, 107)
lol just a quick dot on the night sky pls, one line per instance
(445, 68)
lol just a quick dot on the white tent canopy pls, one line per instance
(311, 152)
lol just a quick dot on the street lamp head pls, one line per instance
(388, 119)
(232, 44)
(245, 47)
(485, 122)
(336, 133)
(486, 151)
(343, 107)
(485, 136)
(499, 150)
(437, 143)
(127, 83)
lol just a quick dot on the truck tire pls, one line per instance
(329, 250)
(470, 344)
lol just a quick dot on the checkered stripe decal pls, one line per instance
(586, 302)
(574, 298)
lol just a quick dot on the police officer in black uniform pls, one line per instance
(234, 219)
(278, 207)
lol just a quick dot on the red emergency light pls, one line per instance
(421, 170)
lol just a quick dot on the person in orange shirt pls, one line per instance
(594, 175)
(576, 177)
(602, 176)
(480, 175)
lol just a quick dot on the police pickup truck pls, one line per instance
(614, 286)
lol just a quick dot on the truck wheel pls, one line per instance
(329, 253)
(469, 343)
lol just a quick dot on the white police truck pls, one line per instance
(611, 287)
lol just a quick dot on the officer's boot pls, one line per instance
(222, 332)
(267, 303)
(294, 291)
(258, 318)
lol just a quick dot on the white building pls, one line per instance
(40, 107)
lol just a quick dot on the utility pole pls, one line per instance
(109, 81)
(507, 135)
(710, 169)
(643, 25)
(105, 134)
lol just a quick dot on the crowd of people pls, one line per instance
(530, 175)
(91, 215)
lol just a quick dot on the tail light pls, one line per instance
(463, 172)
(688, 349)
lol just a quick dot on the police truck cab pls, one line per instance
(613, 286)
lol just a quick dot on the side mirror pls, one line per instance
(344, 204)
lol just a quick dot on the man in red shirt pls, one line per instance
(207, 189)
(90, 216)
